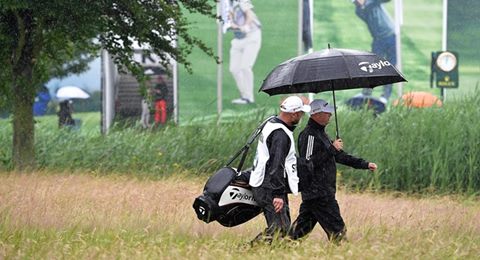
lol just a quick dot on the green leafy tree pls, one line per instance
(41, 39)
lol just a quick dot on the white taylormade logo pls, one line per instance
(236, 195)
(369, 67)
(202, 210)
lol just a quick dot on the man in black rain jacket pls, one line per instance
(318, 198)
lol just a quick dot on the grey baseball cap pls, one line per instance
(320, 105)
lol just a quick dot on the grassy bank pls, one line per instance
(418, 150)
(199, 147)
(429, 150)
(81, 216)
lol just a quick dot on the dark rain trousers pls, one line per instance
(323, 211)
(275, 185)
(318, 194)
(277, 223)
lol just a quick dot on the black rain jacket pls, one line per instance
(315, 146)
(278, 144)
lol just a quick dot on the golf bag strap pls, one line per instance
(246, 147)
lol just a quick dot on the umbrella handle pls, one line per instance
(337, 133)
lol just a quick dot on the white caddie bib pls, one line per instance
(262, 156)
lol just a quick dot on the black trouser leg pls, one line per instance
(304, 223)
(328, 215)
(324, 211)
(277, 223)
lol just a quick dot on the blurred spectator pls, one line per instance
(145, 118)
(160, 95)
(41, 102)
(65, 114)
(146, 105)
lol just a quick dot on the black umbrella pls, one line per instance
(330, 69)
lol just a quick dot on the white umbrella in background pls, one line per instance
(71, 92)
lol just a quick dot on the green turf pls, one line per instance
(335, 22)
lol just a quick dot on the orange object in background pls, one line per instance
(418, 99)
(160, 111)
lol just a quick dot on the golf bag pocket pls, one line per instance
(227, 198)
(207, 210)
(218, 182)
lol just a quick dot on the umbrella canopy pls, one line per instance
(71, 92)
(418, 99)
(330, 69)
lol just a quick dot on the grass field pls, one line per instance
(51, 216)
(129, 194)
(417, 150)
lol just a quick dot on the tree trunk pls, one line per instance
(23, 90)
(23, 130)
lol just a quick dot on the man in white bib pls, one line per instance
(274, 171)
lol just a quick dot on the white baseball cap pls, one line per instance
(294, 104)
(320, 105)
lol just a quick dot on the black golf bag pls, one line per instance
(227, 198)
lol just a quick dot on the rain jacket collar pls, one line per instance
(278, 120)
(315, 125)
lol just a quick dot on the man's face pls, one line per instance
(296, 117)
(321, 118)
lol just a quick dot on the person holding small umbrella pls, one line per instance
(318, 197)
(65, 114)
(65, 95)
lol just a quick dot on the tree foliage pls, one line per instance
(42, 39)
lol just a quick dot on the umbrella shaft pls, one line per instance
(335, 109)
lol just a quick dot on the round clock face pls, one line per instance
(446, 61)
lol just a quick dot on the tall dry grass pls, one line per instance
(83, 216)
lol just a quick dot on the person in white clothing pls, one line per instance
(145, 117)
(274, 173)
(244, 48)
